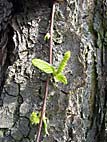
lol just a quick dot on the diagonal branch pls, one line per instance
(47, 82)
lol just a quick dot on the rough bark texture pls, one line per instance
(76, 111)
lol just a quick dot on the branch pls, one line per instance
(51, 32)
(47, 82)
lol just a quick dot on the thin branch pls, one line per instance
(43, 109)
(51, 32)
(47, 82)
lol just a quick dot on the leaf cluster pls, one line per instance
(35, 119)
(50, 69)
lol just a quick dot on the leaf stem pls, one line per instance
(47, 81)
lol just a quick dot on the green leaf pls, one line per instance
(47, 37)
(34, 118)
(42, 65)
(60, 78)
(63, 62)
(45, 125)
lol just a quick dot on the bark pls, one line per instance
(76, 111)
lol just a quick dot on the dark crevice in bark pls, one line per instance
(7, 55)
(11, 51)
(17, 6)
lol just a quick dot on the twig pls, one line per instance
(43, 110)
(51, 32)
(47, 82)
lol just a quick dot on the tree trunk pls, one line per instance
(76, 111)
